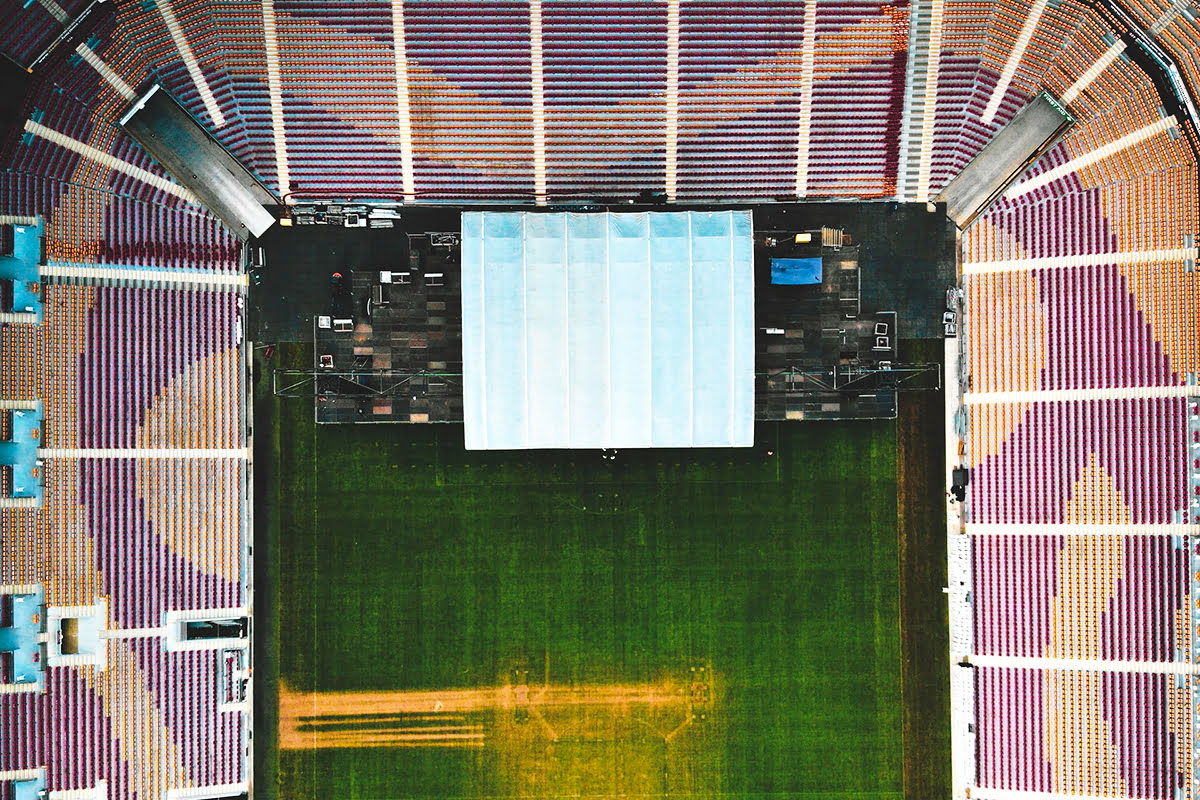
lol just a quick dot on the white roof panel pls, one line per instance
(608, 330)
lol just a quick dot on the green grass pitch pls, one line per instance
(405, 564)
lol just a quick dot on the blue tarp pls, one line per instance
(608, 330)
(21, 453)
(22, 269)
(795, 271)
(31, 789)
(21, 638)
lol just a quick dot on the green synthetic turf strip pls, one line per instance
(408, 563)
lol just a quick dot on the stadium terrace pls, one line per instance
(595, 398)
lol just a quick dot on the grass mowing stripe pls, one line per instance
(411, 564)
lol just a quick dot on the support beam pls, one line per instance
(233, 194)
(1017, 146)
(1123, 257)
(111, 162)
(189, 61)
(1014, 60)
(1087, 159)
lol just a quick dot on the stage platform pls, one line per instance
(608, 330)
(399, 356)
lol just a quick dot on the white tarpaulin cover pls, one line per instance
(608, 330)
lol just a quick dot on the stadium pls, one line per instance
(596, 398)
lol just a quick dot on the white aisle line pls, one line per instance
(134, 633)
(55, 10)
(241, 453)
(986, 793)
(403, 108)
(1014, 60)
(17, 502)
(1087, 529)
(672, 99)
(932, 69)
(189, 61)
(1076, 395)
(537, 86)
(18, 317)
(275, 95)
(1175, 254)
(1164, 22)
(101, 157)
(111, 77)
(1086, 665)
(205, 792)
(808, 62)
(147, 275)
(1087, 159)
(1093, 72)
